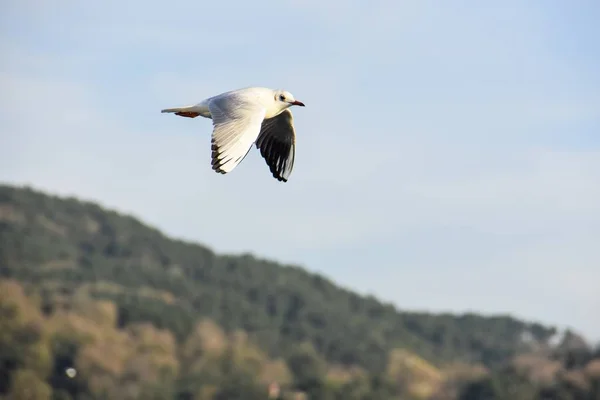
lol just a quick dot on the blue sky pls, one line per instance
(448, 158)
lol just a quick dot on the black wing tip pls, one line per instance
(216, 164)
(217, 169)
(277, 174)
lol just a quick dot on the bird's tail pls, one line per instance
(187, 111)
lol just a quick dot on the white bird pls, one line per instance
(248, 116)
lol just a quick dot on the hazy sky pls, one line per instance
(448, 157)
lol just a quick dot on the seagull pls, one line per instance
(248, 116)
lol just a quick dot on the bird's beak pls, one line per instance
(297, 103)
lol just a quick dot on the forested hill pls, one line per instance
(50, 239)
(64, 249)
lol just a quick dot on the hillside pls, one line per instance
(114, 277)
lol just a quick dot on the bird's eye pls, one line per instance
(282, 97)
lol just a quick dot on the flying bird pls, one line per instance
(248, 116)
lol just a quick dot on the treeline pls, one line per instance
(139, 315)
(39, 353)
(78, 351)
(50, 239)
(572, 374)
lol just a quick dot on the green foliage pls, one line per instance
(140, 315)
(27, 385)
(500, 386)
(46, 238)
(573, 381)
(23, 344)
(308, 368)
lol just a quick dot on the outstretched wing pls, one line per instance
(277, 144)
(236, 125)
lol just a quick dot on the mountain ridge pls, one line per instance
(95, 281)
(318, 281)
(139, 220)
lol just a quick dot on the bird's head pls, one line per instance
(288, 100)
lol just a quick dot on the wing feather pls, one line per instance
(277, 144)
(236, 126)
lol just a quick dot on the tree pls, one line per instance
(27, 385)
(308, 368)
(23, 341)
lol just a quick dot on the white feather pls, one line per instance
(238, 121)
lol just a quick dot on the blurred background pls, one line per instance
(437, 239)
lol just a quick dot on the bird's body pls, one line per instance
(244, 117)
